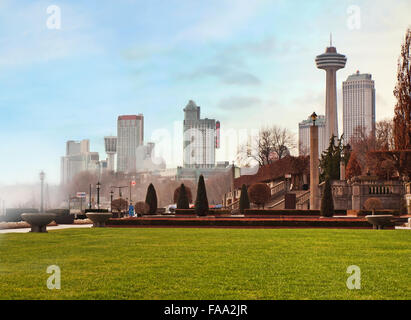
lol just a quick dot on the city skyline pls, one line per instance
(245, 69)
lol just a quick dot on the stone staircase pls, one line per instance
(277, 193)
(302, 196)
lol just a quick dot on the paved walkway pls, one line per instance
(62, 226)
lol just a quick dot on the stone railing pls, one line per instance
(232, 198)
(380, 189)
(277, 188)
(303, 200)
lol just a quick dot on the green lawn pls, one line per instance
(166, 263)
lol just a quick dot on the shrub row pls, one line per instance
(96, 210)
(282, 212)
(63, 216)
(211, 212)
(325, 223)
(363, 213)
(288, 212)
(14, 214)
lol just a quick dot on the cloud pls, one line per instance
(227, 74)
(238, 103)
(229, 64)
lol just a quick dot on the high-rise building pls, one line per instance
(200, 138)
(110, 144)
(304, 136)
(331, 62)
(358, 105)
(77, 147)
(78, 158)
(130, 135)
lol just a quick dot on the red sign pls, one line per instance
(133, 183)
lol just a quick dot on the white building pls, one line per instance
(304, 136)
(200, 138)
(110, 144)
(130, 135)
(78, 158)
(358, 105)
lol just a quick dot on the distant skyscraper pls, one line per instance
(110, 144)
(358, 105)
(130, 135)
(331, 61)
(78, 158)
(200, 138)
(304, 136)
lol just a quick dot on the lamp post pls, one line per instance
(98, 185)
(342, 165)
(314, 118)
(111, 200)
(89, 198)
(42, 175)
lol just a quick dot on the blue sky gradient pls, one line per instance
(246, 63)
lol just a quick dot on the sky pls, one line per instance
(246, 63)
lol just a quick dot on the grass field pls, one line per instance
(166, 263)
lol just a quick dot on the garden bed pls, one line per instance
(363, 213)
(211, 212)
(20, 225)
(290, 222)
(288, 212)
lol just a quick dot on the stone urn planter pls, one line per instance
(380, 221)
(38, 221)
(99, 218)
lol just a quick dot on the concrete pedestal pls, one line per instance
(99, 218)
(38, 221)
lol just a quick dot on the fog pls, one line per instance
(28, 196)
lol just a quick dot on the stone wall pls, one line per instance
(352, 195)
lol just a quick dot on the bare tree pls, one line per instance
(384, 137)
(303, 150)
(361, 144)
(271, 143)
(402, 118)
(282, 141)
(217, 185)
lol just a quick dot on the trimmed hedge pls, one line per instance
(14, 214)
(151, 199)
(96, 210)
(211, 212)
(363, 213)
(282, 212)
(199, 222)
(63, 216)
(201, 205)
(287, 212)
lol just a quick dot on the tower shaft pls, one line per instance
(331, 103)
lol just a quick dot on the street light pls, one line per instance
(111, 200)
(42, 176)
(98, 185)
(314, 118)
(89, 198)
